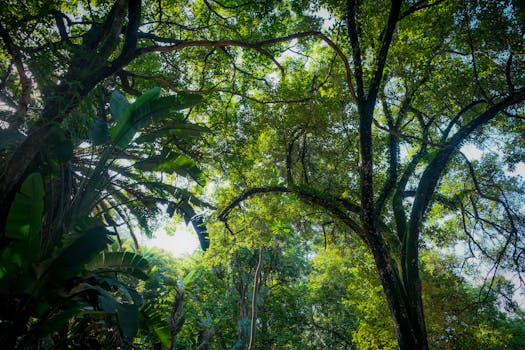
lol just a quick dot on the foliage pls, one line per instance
(345, 120)
(74, 284)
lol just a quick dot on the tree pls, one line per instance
(425, 78)
(349, 302)
(74, 173)
(406, 83)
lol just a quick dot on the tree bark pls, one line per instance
(407, 313)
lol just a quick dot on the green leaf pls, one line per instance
(181, 129)
(190, 216)
(188, 278)
(99, 132)
(77, 250)
(84, 247)
(25, 216)
(123, 130)
(127, 314)
(172, 163)
(123, 262)
(147, 109)
(156, 320)
(118, 104)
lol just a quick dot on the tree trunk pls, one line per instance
(405, 307)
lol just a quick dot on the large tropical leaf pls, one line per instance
(98, 132)
(127, 314)
(122, 132)
(145, 110)
(25, 216)
(155, 320)
(120, 262)
(69, 260)
(172, 162)
(118, 104)
(159, 108)
(181, 129)
(190, 216)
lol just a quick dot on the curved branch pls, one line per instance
(134, 14)
(435, 169)
(173, 88)
(393, 160)
(234, 7)
(487, 196)
(223, 215)
(340, 207)
(455, 119)
(420, 5)
(258, 46)
(386, 40)
(356, 48)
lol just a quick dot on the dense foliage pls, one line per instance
(317, 148)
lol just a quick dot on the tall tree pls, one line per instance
(424, 79)
(413, 82)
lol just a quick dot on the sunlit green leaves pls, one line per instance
(148, 108)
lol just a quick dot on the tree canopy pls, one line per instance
(309, 144)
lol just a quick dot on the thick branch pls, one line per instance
(435, 169)
(234, 7)
(456, 118)
(59, 20)
(393, 161)
(340, 207)
(386, 40)
(134, 14)
(108, 39)
(173, 88)
(25, 82)
(223, 215)
(356, 48)
(420, 5)
(258, 46)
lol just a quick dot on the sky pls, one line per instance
(183, 240)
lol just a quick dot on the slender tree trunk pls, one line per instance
(256, 286)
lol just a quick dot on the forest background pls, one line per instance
(317, 148)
